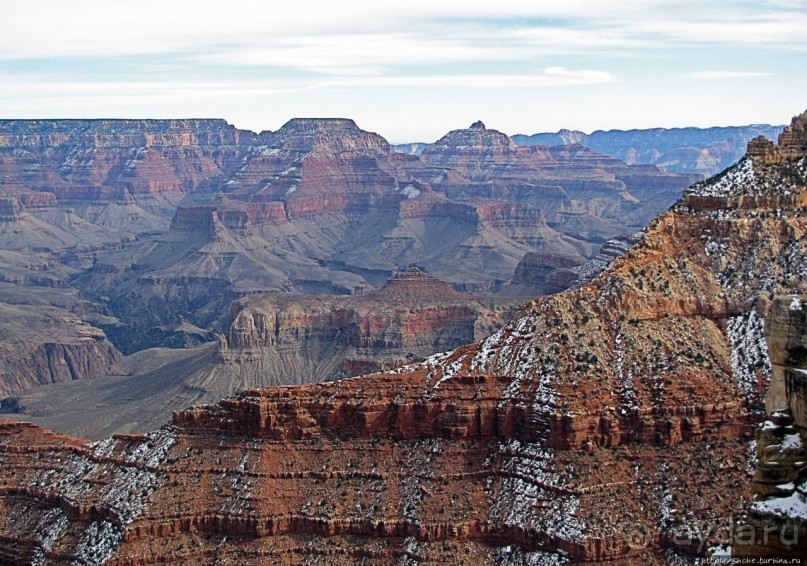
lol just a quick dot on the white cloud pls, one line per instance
(359, 53)
(41, 92)
(268, 61)
(33, 91)
(775, 30)
(551, 77)
(726, 75)
(251, 31)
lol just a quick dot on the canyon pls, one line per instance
(611, 421)
(118, 236)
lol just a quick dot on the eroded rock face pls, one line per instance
(147, 165)
(641, 388)
(412, 316)
(25, 364)
(775, 525)
(97, 152)
(45, 336)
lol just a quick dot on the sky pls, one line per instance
(409, 70)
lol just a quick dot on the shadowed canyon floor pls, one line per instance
(271, 339)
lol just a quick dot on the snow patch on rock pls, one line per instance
(514, 555)
(410, 191)
(731, 182)
(792, 506)
(749, 351)
(528, 494)
(98, 543)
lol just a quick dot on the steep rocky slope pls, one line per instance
(640, 388)
(48, 332)
(683, 150)
(49, 345)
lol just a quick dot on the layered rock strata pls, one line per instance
(325, 207)
(641, 387)
(48, 332)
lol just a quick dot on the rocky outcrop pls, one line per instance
(74, 351)
(793, 139)
(413, 315)
(641, 387)
(329, 135)
(786, 336)
(775, 524)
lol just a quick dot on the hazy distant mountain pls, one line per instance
(681, 150)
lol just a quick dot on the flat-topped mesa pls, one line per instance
(39, 134)
(328, 135)
(415, 286)
(476, 138)
(319, 126)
